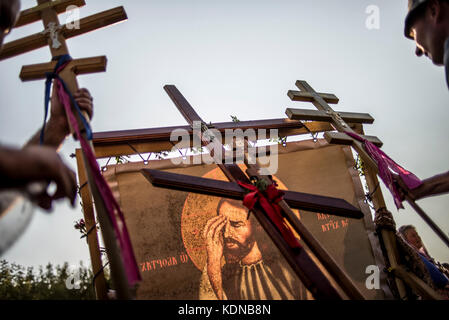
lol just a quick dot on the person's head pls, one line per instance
(9, 12)
(411, 236)
(238, 233)
(427, 23)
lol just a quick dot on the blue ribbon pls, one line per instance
(53, 75)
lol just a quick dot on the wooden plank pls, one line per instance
(40, 40)
(217, 188)
(318, 115)
(92, 238)
(416, 284)
(97, 21)
(183, 105)
(387, 237)
(440, 233)
(344, 139)
(16, 47)
(115, 257)
(34, 14)
(105, 148)
(163, 133)
(80, 66)
(307, 97)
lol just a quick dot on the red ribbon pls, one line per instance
(269, 200)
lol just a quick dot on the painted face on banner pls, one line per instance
(238, 234)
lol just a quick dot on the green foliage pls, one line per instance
(235, 119)
(161, 155)
(280, 140)
(360, 166)
(262, 185)
(121, 159)
(197, 150)
(49, 283)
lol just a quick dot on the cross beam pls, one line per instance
(78, 66)
(299, 259)
(217, 188)
(34, 14)
(317, 115)
(308, 97)
(41, 39)
(344, 139)
(335, 119)
(125, 142)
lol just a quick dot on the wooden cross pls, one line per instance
(55, 35)
(339, 122)
(326, 113)
(299, 259)
(386, 236)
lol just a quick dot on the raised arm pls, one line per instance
(433, 186)
(57, 128)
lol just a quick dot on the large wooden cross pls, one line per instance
(326, 113)
(300, 260)
(340, 122)
(54, 35)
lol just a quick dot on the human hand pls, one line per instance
(213, 235)
(57, 112)
(42, 165)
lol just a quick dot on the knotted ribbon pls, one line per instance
(62, 63)
(388, 169)
(112, 207)
(269, 200)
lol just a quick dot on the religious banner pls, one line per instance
(194, 246)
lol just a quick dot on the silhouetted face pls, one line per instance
(429, 34)
(238, 237)
(9, 12)
(413, 238)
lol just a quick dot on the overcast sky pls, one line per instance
(240, 58)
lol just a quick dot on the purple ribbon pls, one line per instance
(388, 169)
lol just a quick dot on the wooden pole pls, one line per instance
(416, 283)
(388, 237)
(92, 237)
(427, 219)
(118, 273)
